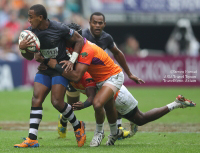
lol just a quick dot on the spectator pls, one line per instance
(131, 46)
(182, 40)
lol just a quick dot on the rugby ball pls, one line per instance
(33, 49)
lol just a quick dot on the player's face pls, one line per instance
(96, 25)
(33, 19)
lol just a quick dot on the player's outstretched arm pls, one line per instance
(119, 56)
(90, 92)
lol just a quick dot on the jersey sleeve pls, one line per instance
(86, 55)
(88, 81)
(110, 42)
(66, 32)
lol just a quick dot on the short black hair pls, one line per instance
(75, 27)
(39, 10)
(98, 14)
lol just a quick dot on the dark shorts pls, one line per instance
(131, 113)
(50, 72)
(70, 88)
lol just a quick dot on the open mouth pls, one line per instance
(97, 30)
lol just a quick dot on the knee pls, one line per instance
(55, 102)
(36, 101)
(97, 104)
(139, 119)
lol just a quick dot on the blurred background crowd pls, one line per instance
(156, 31)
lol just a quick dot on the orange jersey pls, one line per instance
(86, 81)
(101, 66)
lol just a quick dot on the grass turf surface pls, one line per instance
(141, 142)
(15, 106)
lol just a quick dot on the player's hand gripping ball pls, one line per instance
(36, 43)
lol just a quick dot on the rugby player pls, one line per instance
(126, 104)
(52, 36)
(97, 35)
(109, 79)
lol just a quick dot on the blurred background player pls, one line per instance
(53, 36)
(95, 34)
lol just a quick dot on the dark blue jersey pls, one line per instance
(104, 41)
(53, 40)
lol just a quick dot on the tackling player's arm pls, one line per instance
(119, 56)
(80, 69)
(74, 75)
(77, 41)
(90, 92)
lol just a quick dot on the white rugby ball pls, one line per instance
(35, 48)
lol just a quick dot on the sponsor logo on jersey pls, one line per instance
(84, 54)
(53, 42)
(71, 32)
(49, 53)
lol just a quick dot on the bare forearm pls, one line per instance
(122, 62)
(72, 75)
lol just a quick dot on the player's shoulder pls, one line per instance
(106, 35)
(58, 25)
(85, 32)
(55, 23)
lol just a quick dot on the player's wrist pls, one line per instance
(73, 57)
(86, 104)
(59, 68)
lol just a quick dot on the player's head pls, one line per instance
(97, 23)
(75, 27)
(37, 13)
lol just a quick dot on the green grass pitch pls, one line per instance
(15, 108)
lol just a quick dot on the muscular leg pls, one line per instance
(111, 112)
(57, 100)
(57, 96)
(104, 99)
(39, 94)
(58, 91)
(72, 94)
(71, 100)
(141, 118)
(101, 98)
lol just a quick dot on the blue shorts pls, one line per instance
(49, 81)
